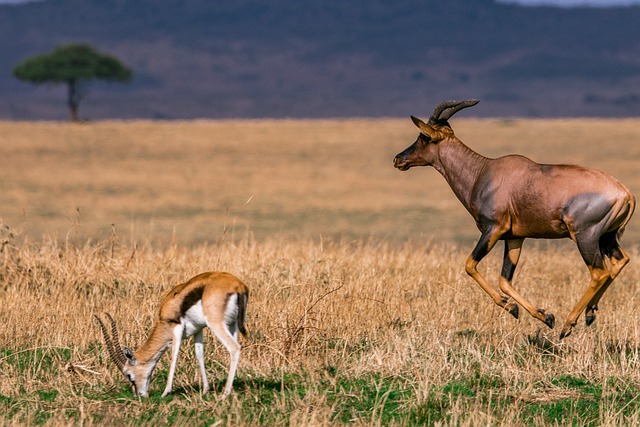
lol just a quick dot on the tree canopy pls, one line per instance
(72, 64)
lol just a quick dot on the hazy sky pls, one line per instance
(565, 3)
(568, 3)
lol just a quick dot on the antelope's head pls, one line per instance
(125, 359)
(424, 151)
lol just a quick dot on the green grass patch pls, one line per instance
(338, 398)
(373, 397)
(35, 361)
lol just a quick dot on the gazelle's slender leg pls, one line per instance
(511, 256)
(178, 330)
(200, 357)
(226, 337)
(487, 241)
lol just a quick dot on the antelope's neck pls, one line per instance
(152, 350)
(460, 166)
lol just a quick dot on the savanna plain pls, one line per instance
(360, 311)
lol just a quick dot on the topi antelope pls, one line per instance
(217, 300)
(512, 198)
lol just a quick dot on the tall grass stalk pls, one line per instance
(339, 332)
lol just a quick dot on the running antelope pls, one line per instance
(512, 198)
(217, 300)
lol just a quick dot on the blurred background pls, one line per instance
(331, 58)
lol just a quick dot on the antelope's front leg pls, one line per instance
(487, 241)
(178, 330)
(512, 250)
(199, 348)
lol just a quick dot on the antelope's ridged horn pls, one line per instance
(119, 361)
(446, 109)
(116, 340)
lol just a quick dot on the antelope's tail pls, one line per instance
(243, 299)
(632, 208)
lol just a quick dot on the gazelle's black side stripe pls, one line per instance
(191, 299)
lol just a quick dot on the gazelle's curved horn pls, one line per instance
(115, 352)
(446, 109)
(116, 340)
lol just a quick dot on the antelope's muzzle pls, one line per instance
(401, 162)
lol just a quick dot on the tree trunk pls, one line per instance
(73, 99)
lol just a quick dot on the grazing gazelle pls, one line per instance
(512, 198)
(215, 299)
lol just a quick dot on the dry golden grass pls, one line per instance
(188, 182)
(323, 318)
(360, 311)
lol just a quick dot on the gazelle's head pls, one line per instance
(425, 150)
(137, 374)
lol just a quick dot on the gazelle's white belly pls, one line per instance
(193, 320)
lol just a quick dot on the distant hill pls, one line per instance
(330, 58)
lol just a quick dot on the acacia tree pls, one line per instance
(72, 64)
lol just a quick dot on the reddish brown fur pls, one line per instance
(512, 198)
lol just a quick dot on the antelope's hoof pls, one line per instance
(566, 331)
(590, 315)
(549, 319)
(513, 309)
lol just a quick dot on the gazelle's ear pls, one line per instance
(425, 129)
(129, 354)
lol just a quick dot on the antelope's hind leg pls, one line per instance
(619, 259)
(512, 249)
(596, 232)
(229, 340)
(600, 279)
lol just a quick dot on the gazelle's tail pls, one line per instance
(243, 299)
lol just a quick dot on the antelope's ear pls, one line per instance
(416, 121)
(130, 356)
(425, 129)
